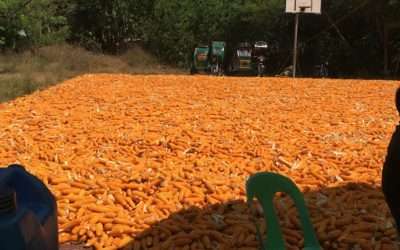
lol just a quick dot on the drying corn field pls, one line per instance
(160, 162)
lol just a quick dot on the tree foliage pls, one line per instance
(108, 25)
(25, 23)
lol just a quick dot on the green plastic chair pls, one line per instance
(264, 186)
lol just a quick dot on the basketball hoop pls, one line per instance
(296, 7)
(303, 6)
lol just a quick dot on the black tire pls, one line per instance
(260, 70)
(215, 70)
(220, 70)
(193, 70)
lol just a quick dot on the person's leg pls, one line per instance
(391, 192)
(394, 206)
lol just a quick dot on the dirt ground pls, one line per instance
(161, 162)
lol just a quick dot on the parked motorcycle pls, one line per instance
(259, 56)
(321, 70)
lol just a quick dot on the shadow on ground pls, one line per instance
(352, 216)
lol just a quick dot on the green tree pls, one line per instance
(25, 23)
(108, 25)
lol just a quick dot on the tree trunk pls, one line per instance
(387, 30)
(386, 71)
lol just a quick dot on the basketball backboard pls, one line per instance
(303, 6)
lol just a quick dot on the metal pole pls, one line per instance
(296, 31)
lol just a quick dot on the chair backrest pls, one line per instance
(264, 186)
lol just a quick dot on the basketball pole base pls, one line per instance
(296, 32)
(304, 7)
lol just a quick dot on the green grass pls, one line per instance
(12, 88)
(22, 74)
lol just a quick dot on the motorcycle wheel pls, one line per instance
(193, 71)
(260, 70)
